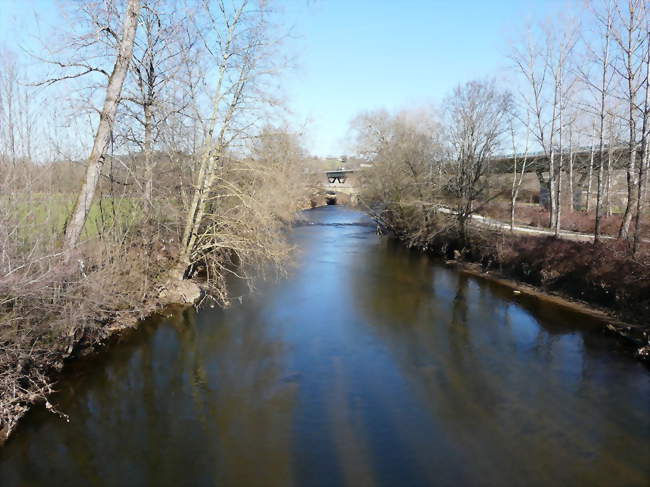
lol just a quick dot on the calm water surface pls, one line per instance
(368, 365)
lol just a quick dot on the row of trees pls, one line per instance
(578, 112)
(174, 87)
(428, 160)
(141, 143)
(584, 84)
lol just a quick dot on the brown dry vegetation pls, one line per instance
(49, 308)
(54, 305)
(191, 173)
(606, 274)
(419, 175)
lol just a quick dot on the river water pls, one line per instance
(368, 365)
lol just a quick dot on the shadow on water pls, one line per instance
(370, 364)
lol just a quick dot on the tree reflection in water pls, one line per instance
(369, 364)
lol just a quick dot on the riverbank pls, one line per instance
(486, 257)
(357, 365)
(602, 279)
(635, 335)
(30, 379)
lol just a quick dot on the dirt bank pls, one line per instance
(636, 335)
(172, 292)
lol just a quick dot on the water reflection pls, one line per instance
(523, 380)
(370, 364)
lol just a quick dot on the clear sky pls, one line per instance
(355, 55)
(361, 54)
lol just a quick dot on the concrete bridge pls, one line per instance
(341, 186)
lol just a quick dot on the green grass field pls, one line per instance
(44, 215)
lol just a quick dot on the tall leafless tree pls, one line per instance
(105, 126)
(160, 43)
(518, 173)
(630, 35)
(477, 119)
(645, 135)
(600, 57)
(238, 38)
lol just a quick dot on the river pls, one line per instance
(369, 364)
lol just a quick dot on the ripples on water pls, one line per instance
(369, 364)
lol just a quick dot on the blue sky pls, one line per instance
(359, 55)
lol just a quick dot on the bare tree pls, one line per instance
(591, 169)
(560, 60)
(476, 122)
(517, 177)
(237, 35)
(544, 63)
(630, 36)
(600, 58)
(18, 111)
(645, 129)
(405, 185)
(105, 126)
(159, 44)
(530, 63)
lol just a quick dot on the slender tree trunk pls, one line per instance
(148, 153)
(630, 206)
(610, 159)
(632, 90)
(105, 127)
(551, 178)
(601, 129)
(558, 210)
(552, 183)
(558, 216)
(516, 184)
(591, 169)
(571, 195)
(644, 151)
(640, 201)
(647, 172)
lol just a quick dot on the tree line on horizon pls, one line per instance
(577, 84)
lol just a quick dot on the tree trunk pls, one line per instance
(148, 148)
(516, 184)
(608, 182)
(551, 166)
(644, 152)
(647, 172)
(601, 131)
(639, 202)
(591, 170)
(571, 195)
(551, 186)
(558, 208)
(105, 127)
(630, 206)
(514, 191)
(629, 51)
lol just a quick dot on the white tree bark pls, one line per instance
(105, 127)
(603, 92)
(591, 169)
